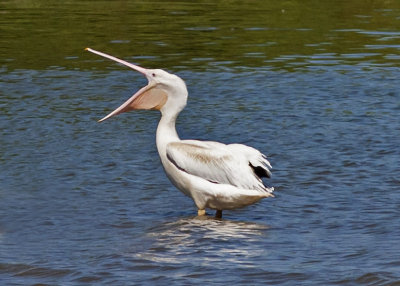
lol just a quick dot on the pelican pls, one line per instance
(216, 176)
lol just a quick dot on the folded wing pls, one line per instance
(234, 164)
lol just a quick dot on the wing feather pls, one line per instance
(219, 163)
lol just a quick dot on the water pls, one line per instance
(315, 87)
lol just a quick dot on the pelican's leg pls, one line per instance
(201, 212)
(218, 214)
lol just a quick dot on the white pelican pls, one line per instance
(214, 175)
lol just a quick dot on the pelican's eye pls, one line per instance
(153, 74)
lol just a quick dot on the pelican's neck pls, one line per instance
(166, 132)
(176, 102)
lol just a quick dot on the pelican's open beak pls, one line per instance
(148, 97)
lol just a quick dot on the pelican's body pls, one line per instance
(214, 175)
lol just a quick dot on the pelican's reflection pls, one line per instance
(197, 241)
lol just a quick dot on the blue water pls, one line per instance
(87, 203)
(84, 202)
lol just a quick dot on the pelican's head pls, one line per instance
(165, 92)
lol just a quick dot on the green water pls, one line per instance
(199, 35)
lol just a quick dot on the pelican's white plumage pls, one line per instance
(213, 174)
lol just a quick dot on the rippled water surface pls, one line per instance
(315, 87)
